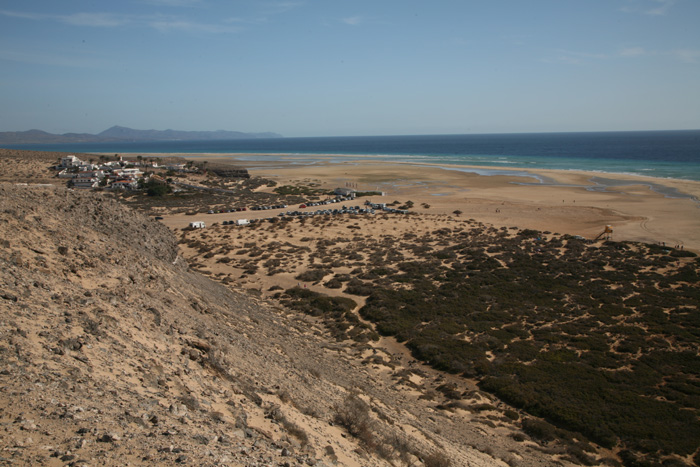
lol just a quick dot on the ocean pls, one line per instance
(662, 154)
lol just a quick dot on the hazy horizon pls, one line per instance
(379, 135)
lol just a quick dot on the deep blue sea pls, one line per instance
(663, 154)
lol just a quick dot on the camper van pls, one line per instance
(197, 225)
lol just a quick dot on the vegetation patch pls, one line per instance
(300, 191)
(336, 313)
(591, 339)
(596, 339)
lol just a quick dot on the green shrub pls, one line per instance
(312, 275)
(552, 323)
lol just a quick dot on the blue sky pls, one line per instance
(361, 67)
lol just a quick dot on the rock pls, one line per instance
(178, 410)
(199, 345)
(240, 418)
(201, 439)
(8, 296)
(81, 358)
(73, 344)
(28, 425)
(109, 438)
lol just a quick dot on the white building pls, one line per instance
(65, 174)
(127, 173)
(126, 184)
(92, 173)
(86, 182)
(71, 161)
(87, 179)
(347, 192)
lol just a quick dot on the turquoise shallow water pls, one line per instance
(687, 170)
(662, 154)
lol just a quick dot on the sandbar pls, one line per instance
(644, 209)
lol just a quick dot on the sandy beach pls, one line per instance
(640, 209)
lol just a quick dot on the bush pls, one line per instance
(683, 254)
(334, 283)
(157, 189)
(353, 414)
(313, 275)
(539, 429)
(357, 287)
(436, 459)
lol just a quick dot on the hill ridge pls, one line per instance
(124, 134)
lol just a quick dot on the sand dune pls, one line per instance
(577, 203)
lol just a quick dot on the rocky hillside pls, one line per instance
(112, 352)
(29, 166)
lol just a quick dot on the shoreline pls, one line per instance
(639, 208)
(690, 189)
(296, 159)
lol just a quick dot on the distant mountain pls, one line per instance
(129, 134)
(42, 137)
(124, 134)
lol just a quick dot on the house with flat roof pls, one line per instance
(71, 161)
(126, 184)
(86, 181)
(346, 192)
